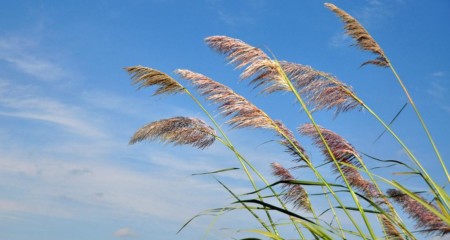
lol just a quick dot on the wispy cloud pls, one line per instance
(18, 101)
(375, 12)
(438, 91)
(438, 74)
(125, 233)
(233, 17)
(22, 54)
(341, 40)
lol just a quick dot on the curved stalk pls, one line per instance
(422, 122)
(352, 193)
(228, 144)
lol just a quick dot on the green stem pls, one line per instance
(244, 167)
(433, 186)
(352, 193)
(416, 110)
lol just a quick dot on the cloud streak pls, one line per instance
(125, 233)
(21, 102)
(439, 93)
(20, 53)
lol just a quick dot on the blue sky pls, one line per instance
(67, 108)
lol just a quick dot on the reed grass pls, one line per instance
(357, 195)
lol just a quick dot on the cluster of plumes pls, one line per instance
(345, 155)
(362, 37)
(242, 112)
(321, 90)
(294, 193)
(147, 77)
(427, 221)
(177, 130)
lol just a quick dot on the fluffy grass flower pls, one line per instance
(322, 90)
(237, 51)
(147, 77)
(177, 130)
(363, 39)
(294, 193)
(426, 220)
(345, 155)
(242, 112)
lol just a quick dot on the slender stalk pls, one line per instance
(426, 176)
(416, 110)
(243, 160)
(352, 193)
(228, 144)
(398, 221)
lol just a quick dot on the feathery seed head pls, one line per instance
(293, 147)
(362, 37)
(341, 149)
(345, 155)
(266, 74)
(243, 113)
(259, 65)
(321, 90)
(147, 77)
(295, 193)
(426, 220)
(389, 228)
(238, 52)
(177, 130)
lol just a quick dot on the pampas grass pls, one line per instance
(350, 198)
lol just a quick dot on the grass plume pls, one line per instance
(238, 52)
(314, 90)
(426, 220)
(147, 77)
(294, 193)
(243, 113)
(177, 130)
(345, 155)
(322, 90)
(363, 39)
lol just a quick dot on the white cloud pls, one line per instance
(438, 74)
(341, 40)
(439, 94)
(375, 12)
(18, 101)
(125, 233)
(232, 17)
(21, 54)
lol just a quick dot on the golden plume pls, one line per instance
(146, 77)
(362, 37)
